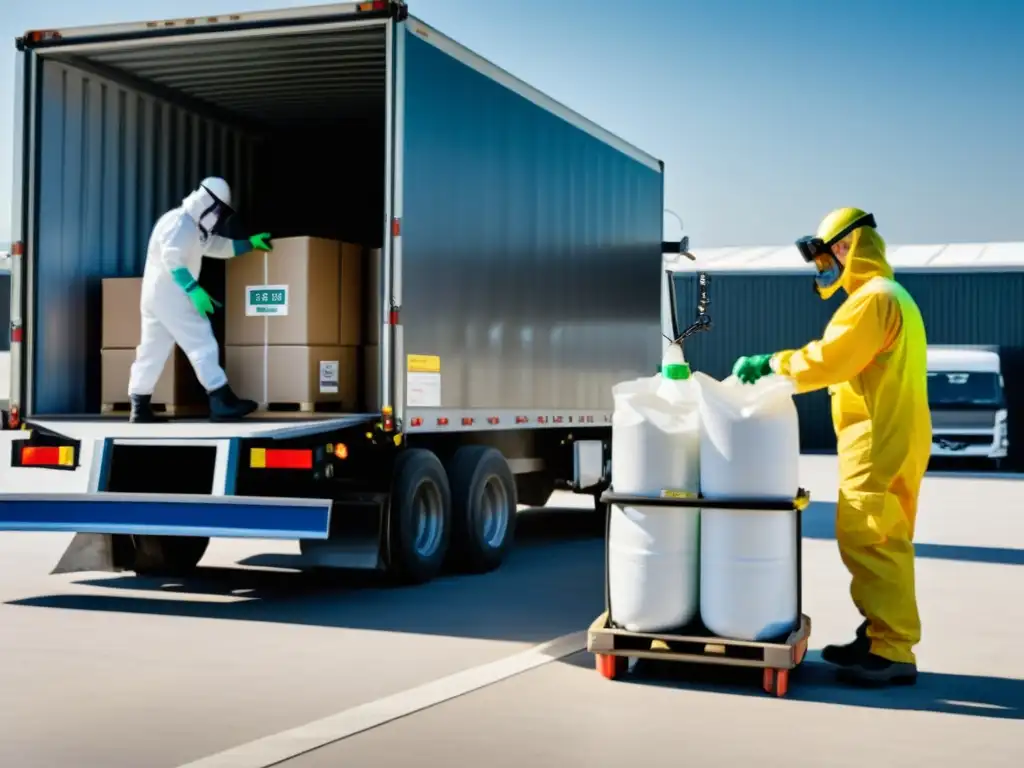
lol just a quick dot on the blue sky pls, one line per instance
(767, 113)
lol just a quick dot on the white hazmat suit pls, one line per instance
(180, 240)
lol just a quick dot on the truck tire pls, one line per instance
(168, 555)
(420, 517)
(483, 508)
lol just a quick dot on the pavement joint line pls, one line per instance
(287, 745)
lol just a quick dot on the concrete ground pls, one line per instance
(255, 665)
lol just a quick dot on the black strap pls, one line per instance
(867, 220)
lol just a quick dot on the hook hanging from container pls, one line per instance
(703, 319)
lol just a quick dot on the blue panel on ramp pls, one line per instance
(262, 519)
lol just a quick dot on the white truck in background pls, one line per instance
(968, 405)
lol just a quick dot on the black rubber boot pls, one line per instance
(851, 653)
(225, 405)
(142, 410)
(875, 670)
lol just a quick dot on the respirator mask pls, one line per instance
(818, 252)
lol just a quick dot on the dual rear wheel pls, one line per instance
(462, 515)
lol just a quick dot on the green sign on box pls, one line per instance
(266, 300)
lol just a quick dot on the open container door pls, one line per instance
(293, 108)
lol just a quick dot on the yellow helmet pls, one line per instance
(841, 222)
(817, 249)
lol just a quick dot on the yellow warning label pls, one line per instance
(668, 493)
(423, 364)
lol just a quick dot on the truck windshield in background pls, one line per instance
(965, 389)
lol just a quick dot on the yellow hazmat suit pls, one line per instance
(873, 359)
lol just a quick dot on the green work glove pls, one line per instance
(750, 369)
(201, 300)
(261, 242)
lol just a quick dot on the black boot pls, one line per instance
(225, 405)
(142, 410)
(871, 669)
(851, 653)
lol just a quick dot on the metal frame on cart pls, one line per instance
(613, 646)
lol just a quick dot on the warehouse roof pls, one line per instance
(954, 257)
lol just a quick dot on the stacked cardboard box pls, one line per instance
(294, 323)
(373, 320)
(177, 387)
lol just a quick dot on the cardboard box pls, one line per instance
(121, 314)
(373, 317)
(295, 374)
(177, 385)
(371, 378)
(309, 292)
(350, 313)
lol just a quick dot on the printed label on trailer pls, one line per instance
(672, 493)
(423, 381)
(329, 376)
(266, 300)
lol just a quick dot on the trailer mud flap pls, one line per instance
(100, 552)
(186, 515)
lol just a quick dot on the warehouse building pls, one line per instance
(763, 300)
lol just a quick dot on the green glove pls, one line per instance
(201, 300)
(750, 369)
(261, 242)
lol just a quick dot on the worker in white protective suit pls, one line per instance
(175, 308)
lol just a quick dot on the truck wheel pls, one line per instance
(483, 508)
(420, 516)
(168, 555)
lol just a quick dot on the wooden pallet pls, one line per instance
(163, 409)
(290, 407)
(613, 647)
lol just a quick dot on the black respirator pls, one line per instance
(819, 252)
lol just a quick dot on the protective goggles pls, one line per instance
(819, 252)
(220, 211)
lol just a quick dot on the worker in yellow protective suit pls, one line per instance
(873, 359)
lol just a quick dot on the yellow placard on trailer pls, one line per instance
(668, 493)
(423, 363)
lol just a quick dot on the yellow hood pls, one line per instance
(865, 260)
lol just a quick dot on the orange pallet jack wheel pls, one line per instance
(776, 681)
(799, 652)
(610, 667)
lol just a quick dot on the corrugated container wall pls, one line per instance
(111, 161)
(764, 313)
(532, 250)
(5, 311)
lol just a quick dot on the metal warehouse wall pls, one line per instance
(764, 313)
(111, 160)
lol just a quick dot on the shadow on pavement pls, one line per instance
(819, 522)
(552, 584)
(815, 681)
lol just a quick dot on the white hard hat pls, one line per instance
(218, 188)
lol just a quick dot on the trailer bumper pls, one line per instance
(141, 514)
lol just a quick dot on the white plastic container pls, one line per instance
(749, 448)
(653, 552)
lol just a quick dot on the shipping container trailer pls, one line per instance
(969, 294)
(520, 279)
